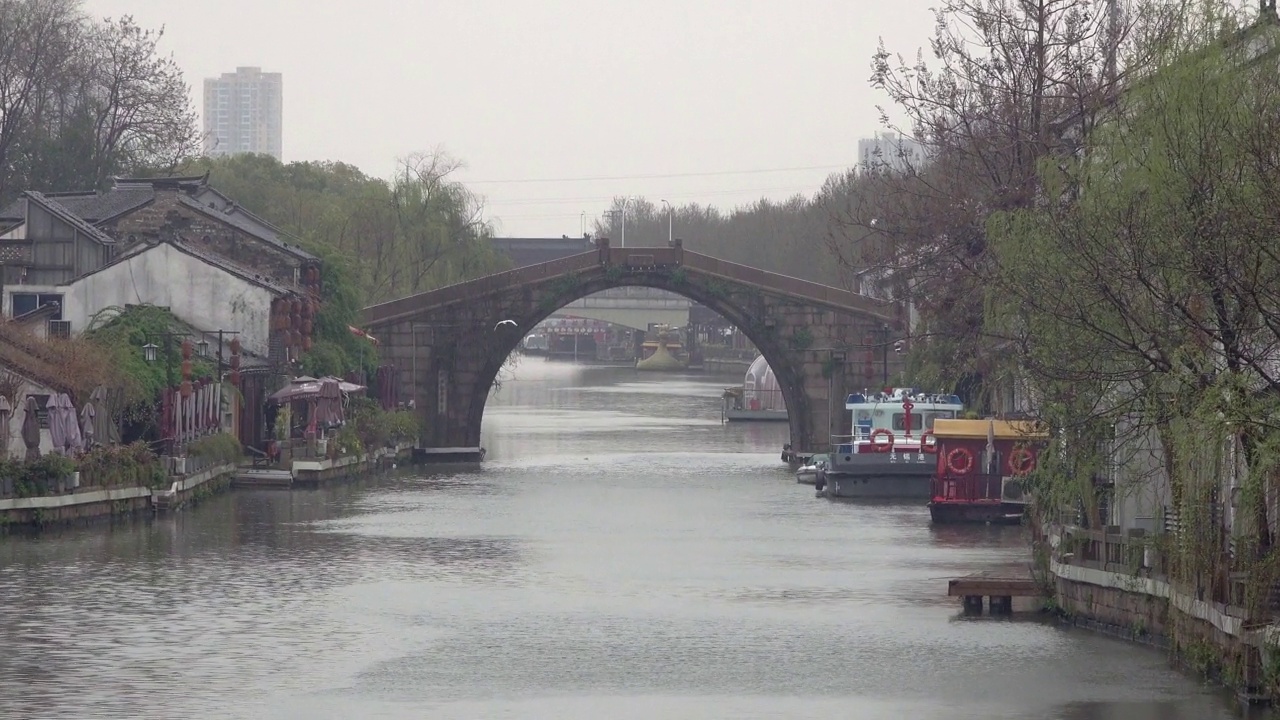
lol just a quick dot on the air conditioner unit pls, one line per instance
(60, 329)
(1013, 489)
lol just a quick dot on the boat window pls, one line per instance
(864, 416)
(943, 414)
(899, 421)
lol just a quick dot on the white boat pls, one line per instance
(892, 452)
(759, 398)
(808, 474)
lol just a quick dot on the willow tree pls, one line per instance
(1010, 83)
(1144, 288)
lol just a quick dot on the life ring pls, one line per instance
(960, 461)
(1021, 461)
(882, 446)
(928, 442)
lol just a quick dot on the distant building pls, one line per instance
(889, 150)
(242, 113)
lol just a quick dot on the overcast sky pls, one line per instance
(715, 101)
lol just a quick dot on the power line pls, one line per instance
(654, 176)
(678, 196)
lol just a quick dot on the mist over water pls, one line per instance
(621, 554)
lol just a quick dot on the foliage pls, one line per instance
(1140, 302)
(417, 232)
(346, 442)
(39, 477)
(129, 465)
(375, 427)
(1010, 84)
(83, 100)
(124, 332)
(788, 237)
(403, 425)
(220, 448)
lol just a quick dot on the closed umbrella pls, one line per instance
(6, 412)
(330, 403)
(31, 430)
(87, 430)
(57, 429)
(991, 447)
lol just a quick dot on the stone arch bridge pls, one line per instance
(448, 345)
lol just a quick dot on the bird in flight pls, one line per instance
(512, 323)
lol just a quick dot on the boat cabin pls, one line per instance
(982, 461)
(898, 418)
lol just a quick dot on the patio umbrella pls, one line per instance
(64, 427)
(57, 431)
(991, 447)
(343, 385)
(87, 415)
(6, 412)
(31, 429)
(330, 402)
(299, 389)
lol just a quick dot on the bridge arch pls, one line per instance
(448, 345)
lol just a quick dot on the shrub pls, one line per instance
(120, 465)
(221, 449)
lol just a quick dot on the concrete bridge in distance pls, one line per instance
(448, 345)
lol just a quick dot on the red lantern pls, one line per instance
(295, 307)
(235, 378)
(185, 389)
(186, 369)
(235, 346)
(306, 327)
(235, 362)
(186, 348)
(306, 343)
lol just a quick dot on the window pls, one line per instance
(899, 421)
(60, 329)
(24, 303)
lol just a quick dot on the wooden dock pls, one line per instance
(999, 589)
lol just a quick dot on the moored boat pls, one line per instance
(891, 451)
(981, 470)
(808, 474)
(759, 398)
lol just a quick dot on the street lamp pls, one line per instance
(670, 242)
(149, 352)
(202, 347)
(884, 348)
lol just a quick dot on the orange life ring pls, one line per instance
(928, 442)
(1021, 461)
(960, 461)
(882, 433)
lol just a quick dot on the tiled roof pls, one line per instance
(96, 207)
(247, 225)
(239, 271)
(57, 210)
(16, 210)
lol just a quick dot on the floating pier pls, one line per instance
(999, 590)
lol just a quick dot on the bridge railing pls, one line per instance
(394, 309)
(838, 297)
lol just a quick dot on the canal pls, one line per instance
(621, 555)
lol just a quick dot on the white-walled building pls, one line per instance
(202, 289)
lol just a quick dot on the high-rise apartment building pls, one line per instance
(890, 150)
(242, 113)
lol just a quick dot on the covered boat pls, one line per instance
(981, 470)
(759, 398)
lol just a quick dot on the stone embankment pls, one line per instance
(82, 505)
(1118, 585)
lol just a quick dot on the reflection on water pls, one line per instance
(622, 555)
